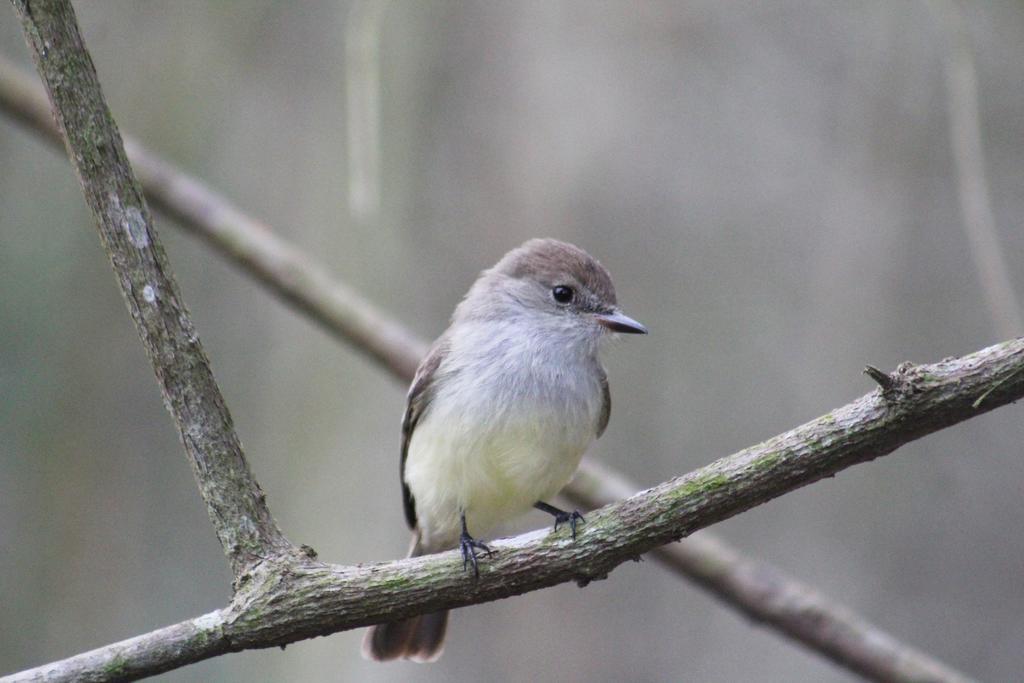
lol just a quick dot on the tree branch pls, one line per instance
(277, 603)
(245, 241)
(767, 595)
(233, 497)
(297, 279)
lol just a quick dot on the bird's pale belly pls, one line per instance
(493, 472)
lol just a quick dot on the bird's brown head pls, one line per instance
(556, 280)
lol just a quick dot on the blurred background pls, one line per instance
(773, 187)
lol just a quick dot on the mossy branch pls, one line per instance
(284, 600)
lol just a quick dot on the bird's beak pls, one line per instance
(617, 322)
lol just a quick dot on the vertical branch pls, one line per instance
(233, 498)
(972, 182)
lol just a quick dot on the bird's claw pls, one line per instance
(469, 546)
(573, 518)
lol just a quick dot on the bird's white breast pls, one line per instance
(506, 427)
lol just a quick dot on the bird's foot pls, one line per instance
(469, 546)
(573, 518)
(561, 516)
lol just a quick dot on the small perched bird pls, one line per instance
(501, 410)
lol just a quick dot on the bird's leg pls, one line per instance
(561, 516)
(469, 546)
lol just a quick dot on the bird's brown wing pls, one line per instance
(606, 404)
(420, 395)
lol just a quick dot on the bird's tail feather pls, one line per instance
(419, 638)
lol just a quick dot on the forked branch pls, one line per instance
(280, 597)
(281, 602)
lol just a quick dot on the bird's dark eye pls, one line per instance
(562, 294)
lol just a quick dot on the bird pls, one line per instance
(500, 412)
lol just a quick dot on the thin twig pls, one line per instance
(362, 105)
(310, 598)
(885, 381)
